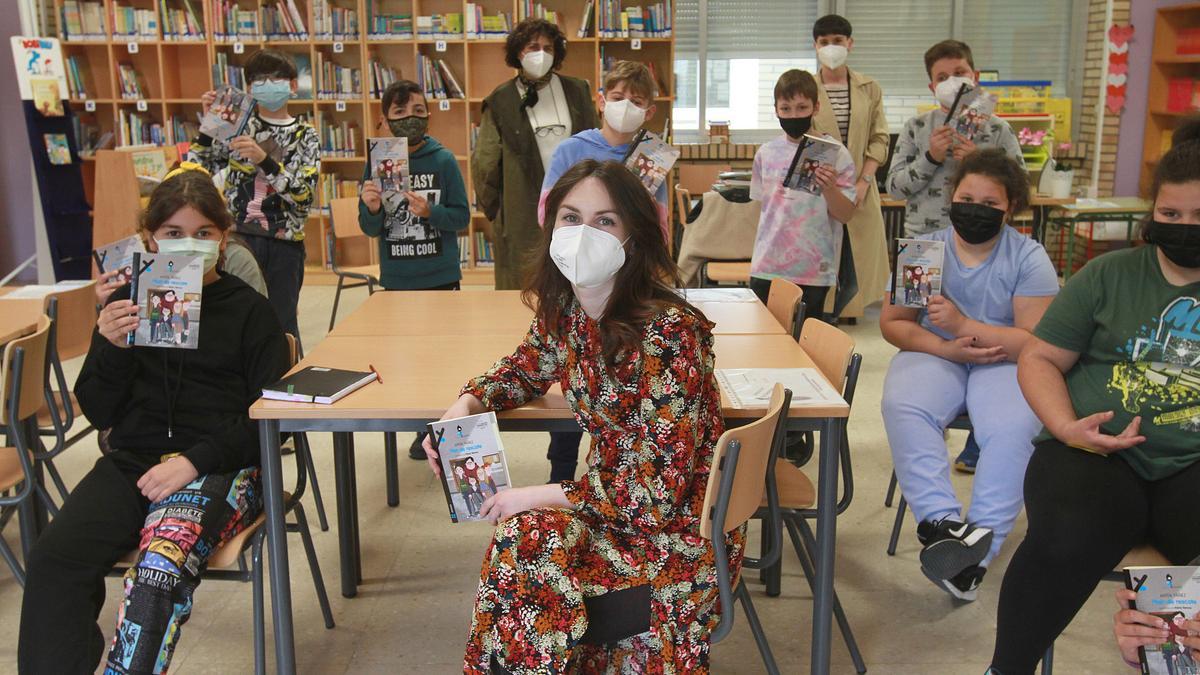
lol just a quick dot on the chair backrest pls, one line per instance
(74, 319)
(293, 349)
(756, 442)
(343, 212)
(782, 301)
(683, 202)
(830, 349)
(30, 390)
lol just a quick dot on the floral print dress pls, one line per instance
(654, 419)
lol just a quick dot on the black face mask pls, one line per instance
(1180, 242)
(976, 223)
(795, 126)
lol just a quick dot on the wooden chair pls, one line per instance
(962, 423)
(229, 562)
(832, 351)
(717, 272)
(737, 484)
(343, 216)
(22, 381)
(785, 301)
(683, 203)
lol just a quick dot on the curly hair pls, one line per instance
(525, 32)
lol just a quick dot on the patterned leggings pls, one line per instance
(179, 535)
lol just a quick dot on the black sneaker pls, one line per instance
(963, 586)
(952, 547)
(417, 450)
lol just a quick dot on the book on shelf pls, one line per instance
(138, 129)
(335, 81)
(388, 25)
(483, 251)
(89, 136)
(381, 76)
(118, 256)
(84, 20)
(130, 81)
(181, 129)
(1173, 595)
(331, 22)
(316, 384)
(472, 462)
(481, 26)
(226, 74)
(917, 272)
(167, 291)
(228, 115)
(440, 26)
(436, 79)
(232, 23)
(528, 9)
(75, 84)
(811, 153)
(651, 159)
(339, 138)
(180, 22)
(652, 21)
(588, 20)
(282, 21)
(134, 23)
(464, 252)
(332, 187)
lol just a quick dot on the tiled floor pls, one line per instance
(420, 572)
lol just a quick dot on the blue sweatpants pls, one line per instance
(922, 394)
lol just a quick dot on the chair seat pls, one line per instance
(11, 471)
(1144, 556)
(729, 272)
(226, 556)
(796, 491)
(44, 416)
(371, 271)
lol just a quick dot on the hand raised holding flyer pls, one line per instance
(228, 115)
(812, 153)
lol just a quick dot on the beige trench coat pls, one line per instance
(868, 140)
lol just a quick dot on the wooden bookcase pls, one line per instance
(176, 72)
(1168, 64)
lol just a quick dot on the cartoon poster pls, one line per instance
(36, 58)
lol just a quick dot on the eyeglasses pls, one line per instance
(556, 129)
(264, 80)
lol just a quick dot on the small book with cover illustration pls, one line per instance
(167, 291)
(651, 159)
(389, 169)
(228, 114)
(118, 256)
(472, 460)
(315, 384)
(918, 272)
(1173, 595)
(46, 96)
(812, 152)
(58, 149)
(974, 109)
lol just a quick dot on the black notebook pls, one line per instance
(315, 384)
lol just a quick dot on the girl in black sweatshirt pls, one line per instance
(183, 476)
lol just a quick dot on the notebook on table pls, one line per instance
(316, 384)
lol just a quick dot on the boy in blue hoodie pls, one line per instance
(626, 104)
(418, 239)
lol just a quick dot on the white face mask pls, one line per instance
(587, 256)
(624, 116)
(536, 64)
(208, 249)
(832, 56)
(947, 90)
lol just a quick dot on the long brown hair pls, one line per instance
(645, 284)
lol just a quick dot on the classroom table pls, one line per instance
(1109, 209)
(422, 377)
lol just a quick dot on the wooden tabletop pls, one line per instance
(740, 318)
(422, 376)
(18, 317)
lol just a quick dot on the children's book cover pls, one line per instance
(45, 96)
(58, 149)
(974, 109)
(813, 152)
(228, 114)
(118, 256)
(167, 289)
(918, 272)
(651, 161)
(1173, 595)
(389, 169)
(473, 463)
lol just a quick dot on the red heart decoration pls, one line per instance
(1116, 104)
(1122, 58)
(1119, 35)
(1114, 90)
(1118, 68)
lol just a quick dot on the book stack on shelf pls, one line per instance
(331, 187)
(464, 251)
(283, 21)
(528, 9)
(138, 129)
(339, 138)
(587, 21)
(132, 23)
(440, 26)
(389, 26)
(480, 26)
(131, 82)
(180, 129)
(381, 76)
(636, 21)
(224, 73)
(233, 23)
(89, 137)
(75, 85)
(333, 23)
(436, 79)
(337, 82)
(83, 20)
(483, 251)
(182, 23)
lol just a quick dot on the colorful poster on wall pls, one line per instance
(38, 59)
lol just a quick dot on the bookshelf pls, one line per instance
(1174, 87)
(172, 58)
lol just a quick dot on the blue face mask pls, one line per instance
(271, 94)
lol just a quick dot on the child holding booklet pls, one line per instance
(959, 355)
(799, 232)
(636, 363)
(1112, 370)
(183, 475)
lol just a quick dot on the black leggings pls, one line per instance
(1085, 512)
(814, 297)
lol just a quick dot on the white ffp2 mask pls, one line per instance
(586, 256)
(947, 90)
(536, 64)
(832, 56)
(623, 116)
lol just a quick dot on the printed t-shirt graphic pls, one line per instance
(410, 237)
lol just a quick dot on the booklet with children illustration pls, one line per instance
(228, 114)
(316, 384)
(752, 387)
(1173, 595)
(651, 160)
(918, 272)
(389, 169)
(812, 152)
(118, 256)
(472, 460)
(167, 290)
(974, 109)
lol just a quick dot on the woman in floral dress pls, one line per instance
(635, 362)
